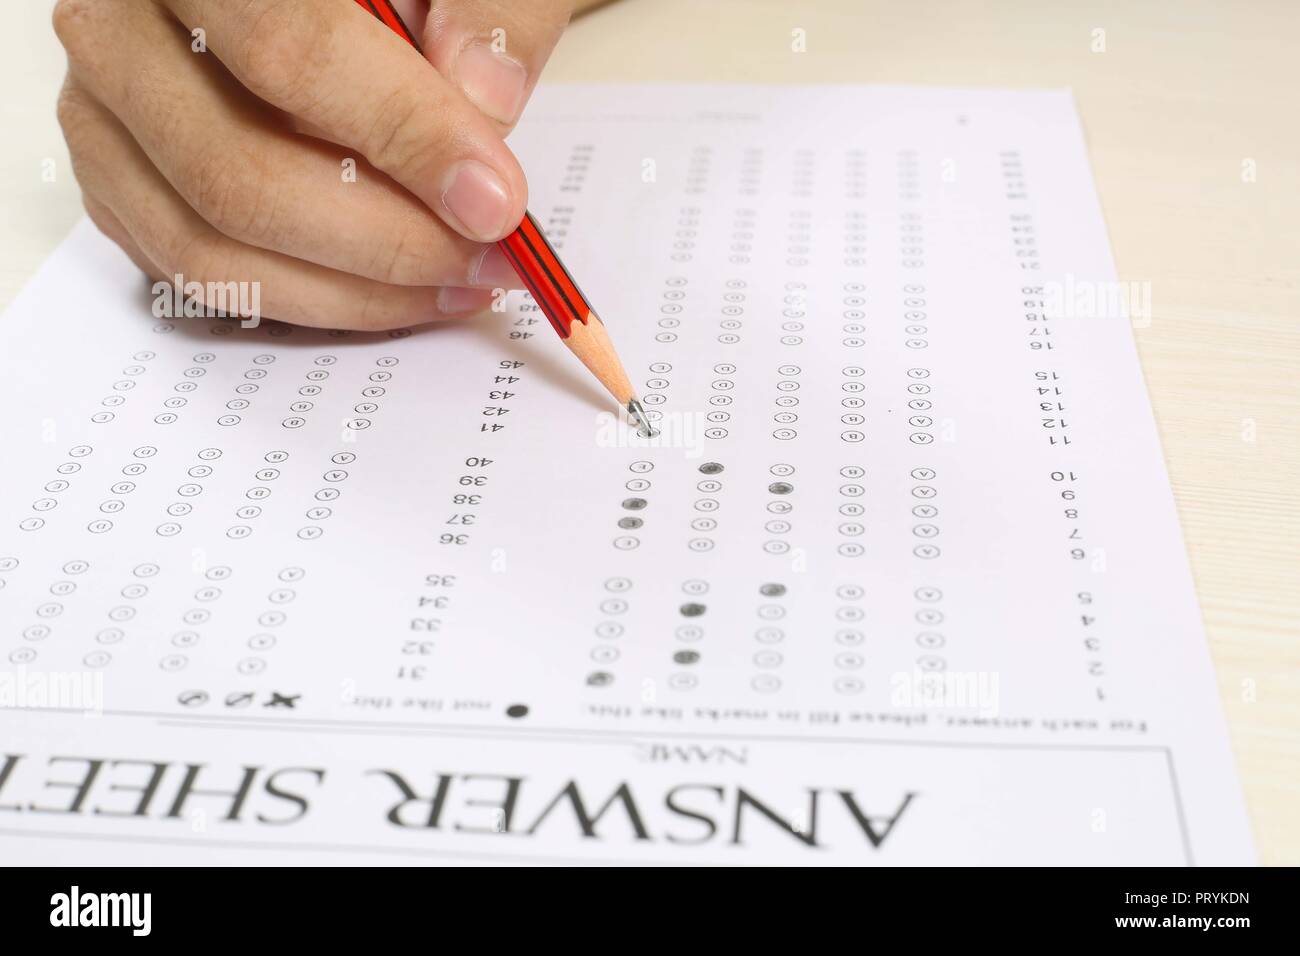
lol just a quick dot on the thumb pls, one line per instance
(493, 52)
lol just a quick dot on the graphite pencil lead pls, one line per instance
(646, 430)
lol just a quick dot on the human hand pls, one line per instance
(301, 145)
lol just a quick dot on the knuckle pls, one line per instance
(98, 214)
(397, 139)
(405, 258)
(380, 308)
(371, 306)
(75, 24)
(231, 195)
(194, 255)
(215, 188)
(271, 56)
(73, 109)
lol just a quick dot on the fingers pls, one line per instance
(166, 233)
(332, 65)
(494, 51)
(111, 226)
(251, 178)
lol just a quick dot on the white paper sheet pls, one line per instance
(901, 581)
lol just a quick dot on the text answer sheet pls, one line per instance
(898, 581)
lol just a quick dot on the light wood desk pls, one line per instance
(1186, 95)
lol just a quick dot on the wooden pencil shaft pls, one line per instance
(591, 343)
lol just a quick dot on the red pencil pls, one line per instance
(554, 290)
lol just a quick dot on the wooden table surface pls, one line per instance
(1192, 113)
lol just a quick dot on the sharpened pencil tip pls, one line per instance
(644, 429)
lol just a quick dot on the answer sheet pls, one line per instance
(899, 581)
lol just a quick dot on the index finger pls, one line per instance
(334, 66)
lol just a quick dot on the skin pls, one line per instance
(228, 165)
